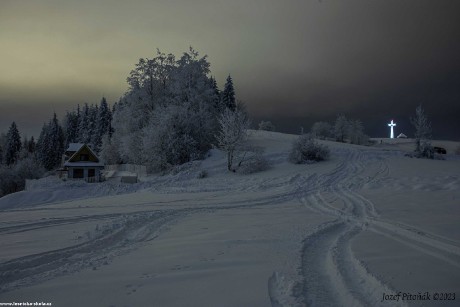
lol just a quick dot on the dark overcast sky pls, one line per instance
(293, 61)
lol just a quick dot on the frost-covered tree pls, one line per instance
(170, 139)
(109, 151)
(228, 94)
(169, 114)
(266, 125)
(340, 128)
(233, 133)
(150, 81)
(422, 132)
(356, 133)
(13, 145)
(321, 130)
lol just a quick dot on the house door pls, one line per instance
(91, 172)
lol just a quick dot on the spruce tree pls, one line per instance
(32, 145)
(83, 126)
(51, 144)
(71, 128)
(13, 145)
(228, 95)
(216, 95)
(103, 124)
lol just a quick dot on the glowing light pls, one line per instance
(392, 135)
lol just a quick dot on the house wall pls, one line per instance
(97, 171)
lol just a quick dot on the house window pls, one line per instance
(91, 172)
(84, 157)
(78, 173)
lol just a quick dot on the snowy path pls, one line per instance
(332, 276)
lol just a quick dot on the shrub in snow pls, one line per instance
(254, 163)
(267, 126)
(426, 150)
(306, 149)
(202, 174)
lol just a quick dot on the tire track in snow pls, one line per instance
(126, 233)
(331, 274)
(135, 230)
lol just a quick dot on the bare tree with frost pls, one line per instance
(422, 127)
(233, 133)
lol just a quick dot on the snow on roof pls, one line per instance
(74, 146)
(84, 164)
(402, 135)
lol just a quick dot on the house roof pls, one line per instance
(75, 146)
(70, 162)
(84, 164)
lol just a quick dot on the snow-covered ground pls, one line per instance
(344, 232)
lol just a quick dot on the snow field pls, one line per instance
(338, 233)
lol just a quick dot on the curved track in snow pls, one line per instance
(331, 274)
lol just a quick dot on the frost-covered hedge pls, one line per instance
(306, 149)
(254, 164)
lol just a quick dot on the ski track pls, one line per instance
(329, 273)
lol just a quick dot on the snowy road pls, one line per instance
(294, 235)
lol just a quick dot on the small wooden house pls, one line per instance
(82, 163)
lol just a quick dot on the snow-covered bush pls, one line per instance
(266, 125)
(202, 174)
(254, 163)
(306, 149)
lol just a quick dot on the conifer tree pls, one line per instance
(50, 145)
(103, 124)
(228, 95)
(13, 145)
(83, 126)
(31, 145)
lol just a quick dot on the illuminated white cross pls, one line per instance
(392, 136)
